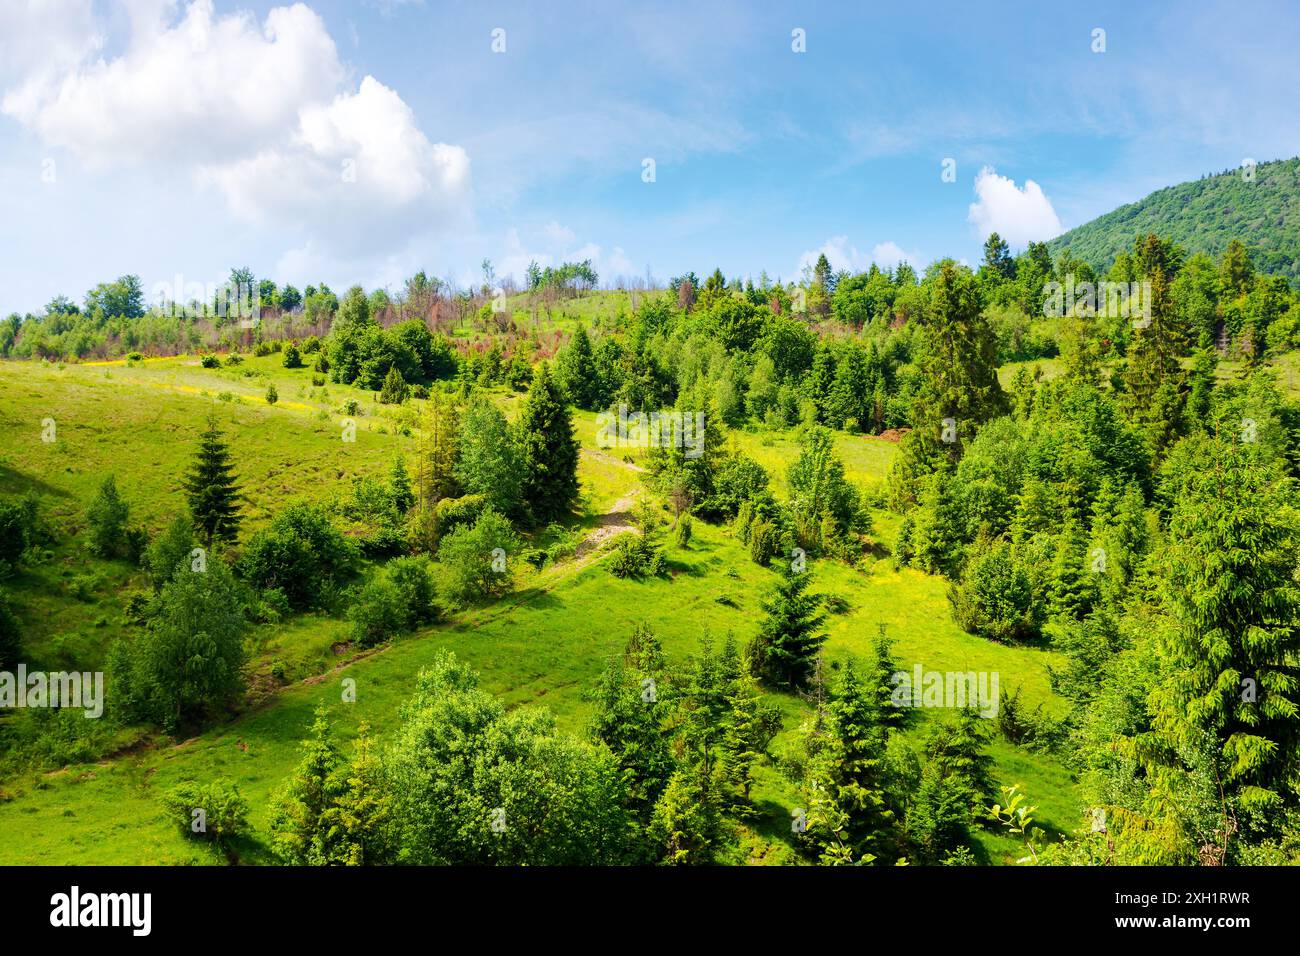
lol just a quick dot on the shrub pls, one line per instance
(210, 361)
(410, 576)
(134, 357)
(272, 396)
(234, 358)
(762, 541)
(469, 571)
(301, 552)
(376, 613)
(262, 349)
(292, 357)
(683, 533)
(635, 556)
(996, 597)
(310, 345)
(212, 811)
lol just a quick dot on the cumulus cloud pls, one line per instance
(1018, 215)
(260, 111)
(842, 255)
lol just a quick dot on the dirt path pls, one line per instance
(615, 521)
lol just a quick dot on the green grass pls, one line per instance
(543, 645)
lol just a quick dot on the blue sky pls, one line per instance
(358, 142)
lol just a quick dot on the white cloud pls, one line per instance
(261, 112)
(64, 32)
(1018, 215)
(553, 244)
(842, 255)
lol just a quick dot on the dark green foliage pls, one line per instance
(790, 635)
(211, 490)
(189, 662)
(550, 451)
(1203, 216)
(473, 783)
(850, 819)
(958, 749)
(171, 551)
(395, 390)
(11, 647)
(302, 553)
(107, 517)
(215, 811)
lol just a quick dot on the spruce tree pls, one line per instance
(550, 451)
(211, 490)
(575, 371)
(439, 450)
(1153, 379)
(881, 676)
(791, 634)
(1231, 597)
(631, 709)
(849, 817)
(107, 517)
(958, 749)
(957, 358)
(395, 390)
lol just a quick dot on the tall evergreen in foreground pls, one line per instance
(550, 450)
(211, 490)
(785, 649)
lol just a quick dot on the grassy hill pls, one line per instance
(543, 645)
(1203, 216)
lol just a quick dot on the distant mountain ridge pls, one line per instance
(1204, 216)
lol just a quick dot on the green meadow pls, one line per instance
(541, 646)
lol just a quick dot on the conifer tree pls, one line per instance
(686, 821)
(1153, 379)
(211, 490)
(881, 678)
(399, 486)
(439, 449)
(1233, 601)
(107, 517)
(957, 747)
(550, 450)
(791, 634)
(821, 383)
(849, 818)
(576, 373)
(395, 389)
(959, 391)
(744, 736)
(631, 709)
(299, 807)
